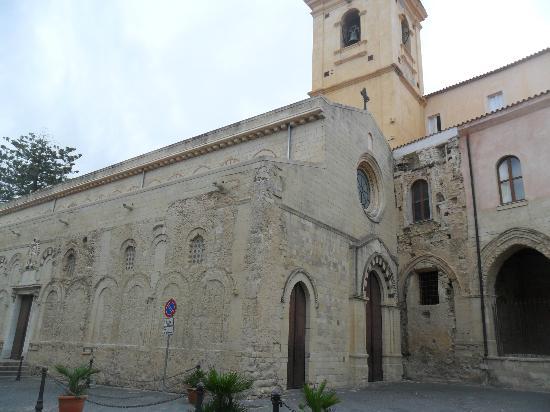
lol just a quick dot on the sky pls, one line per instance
(118, 78)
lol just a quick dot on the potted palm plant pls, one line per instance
(226, 390)
(192, 380)
(73, 400)
(317, 400)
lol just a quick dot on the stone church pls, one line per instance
(317, 241)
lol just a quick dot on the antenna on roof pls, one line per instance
(366, 98)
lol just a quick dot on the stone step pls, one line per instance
(13, 368)
(9, 365)
(10, 362)
(9, 368)
(13, 374)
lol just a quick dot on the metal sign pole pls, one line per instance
(169, 312)
(166, 361)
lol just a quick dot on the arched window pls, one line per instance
(351, 28)
(510, 180)
(405, 33)
(70, 263)
(420, 201)
(196, 249)
(130, 256)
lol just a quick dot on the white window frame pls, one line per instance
(493, 97)
(432, 124)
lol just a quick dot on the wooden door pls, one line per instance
(21, 328)
(374, 328)
(296, 370)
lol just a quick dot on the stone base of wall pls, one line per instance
(393, 368)
(451, 368)
(129, 366)
(359, 370)
(520, 373)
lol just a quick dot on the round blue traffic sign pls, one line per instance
(170, 308)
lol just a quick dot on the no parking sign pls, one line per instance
(169, 311)
(170, 308)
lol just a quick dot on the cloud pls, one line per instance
(117, 78)
(463, 39)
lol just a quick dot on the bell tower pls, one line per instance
(372, 44)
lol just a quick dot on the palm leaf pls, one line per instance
(227, 388)
(317, 399)
(76, 378)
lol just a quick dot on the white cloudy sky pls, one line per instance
(117, 78)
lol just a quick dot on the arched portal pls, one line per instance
(522, 306)
(296, 370)
(374, 327)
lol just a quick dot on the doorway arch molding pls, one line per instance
(427, 260)
(377, 263)
(505, 245)
(296, 276)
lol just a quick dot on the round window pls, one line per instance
(369, 189)
(364, 188)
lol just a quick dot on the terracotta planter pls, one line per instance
(71, 403)
(192, 395)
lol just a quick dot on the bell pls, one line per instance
(353, 34)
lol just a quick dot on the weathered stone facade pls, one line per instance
(233, 223)
(491, 256)
(438, 341)
(266, 223)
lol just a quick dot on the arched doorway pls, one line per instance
(374, 327)
(522, 306)
(296, 370)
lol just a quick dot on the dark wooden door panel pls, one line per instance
(21, 328)
(296, 372)
(374, 328)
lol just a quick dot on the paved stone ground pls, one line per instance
(380, 397)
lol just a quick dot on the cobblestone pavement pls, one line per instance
(379, 397)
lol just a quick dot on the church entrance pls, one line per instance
(296, 370)
(21, 327)
(522, 312)
(374, 328)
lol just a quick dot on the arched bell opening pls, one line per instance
(351, 28)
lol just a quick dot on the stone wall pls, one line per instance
(103, 261)
(117, 311)
(440, 341)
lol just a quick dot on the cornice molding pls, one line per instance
(416, 8)
(188, 153)
(387, 69)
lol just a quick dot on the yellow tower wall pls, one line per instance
(379, 62)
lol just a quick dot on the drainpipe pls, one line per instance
(289, 141)
(478, 248)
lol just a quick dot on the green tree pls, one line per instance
(30, 163)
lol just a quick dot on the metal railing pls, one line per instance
(122, 400)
